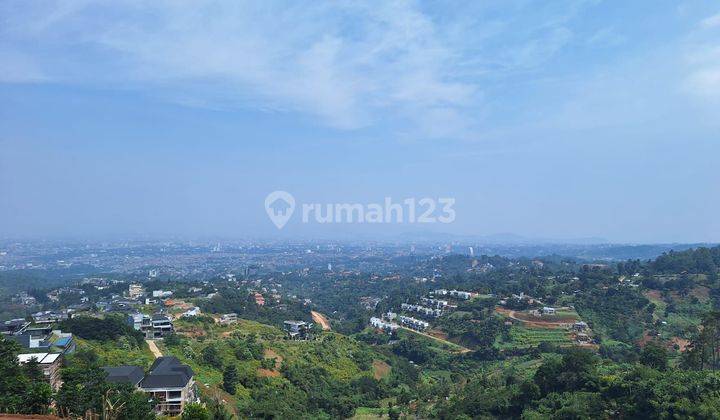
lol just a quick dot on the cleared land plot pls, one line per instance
(531, 337)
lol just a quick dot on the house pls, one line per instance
(460, 294)
(382, 325)
(297, 330)
(49, 363)
(421, 309)
(161, 326)
(155, 327)
(141, 322)
(161, 294)
(230, 318)
(14, 326)
(413, 323)
(41, 340)
(580, 326)
(125, 374)
(259, 299)
(48, 317)
(170, 384)
(193, 312)
(436, 303)
(546, 310)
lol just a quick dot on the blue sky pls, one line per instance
(562, 119)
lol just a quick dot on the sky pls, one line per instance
(556, 120)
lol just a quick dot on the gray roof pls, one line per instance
(167, 372)
(124, 374)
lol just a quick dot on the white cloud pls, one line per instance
(349, 64)
(711, 22)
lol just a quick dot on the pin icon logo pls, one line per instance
(279, 206)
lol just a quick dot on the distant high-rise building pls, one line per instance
(472, 252)
(135, 291)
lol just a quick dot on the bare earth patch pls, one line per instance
(271, 354)
(380, 369)
(267, 373)
(681, 342)
(320, 319)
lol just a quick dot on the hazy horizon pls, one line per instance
(563, 121)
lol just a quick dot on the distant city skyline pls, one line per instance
(548, 120)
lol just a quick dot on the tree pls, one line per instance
(654, 355)
(211, 357)
(13, 383)
(575, 372)
(704, 349)
(22, 389)
(84, 386)
(133, 404)
(195, 411)
(37, 398)
(230, 379)
(218, 410)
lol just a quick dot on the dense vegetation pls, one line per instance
(654, 353)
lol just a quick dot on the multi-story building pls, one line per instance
(230, 318)
(161, 326)
(435, 303)
(49, 364)
(155, 327)
(136, 291)
(49, 317)
(14, 326)
(169, 383)
(45, 340)
(459, 294)
(141, 322)
(383, 325)
(192, 312)
(297, 330)
(414, 323)
(421, 310)
(162, 294)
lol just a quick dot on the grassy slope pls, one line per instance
(344, 358)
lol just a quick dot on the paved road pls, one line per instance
(154, 348)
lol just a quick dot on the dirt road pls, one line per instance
(154, 348)
(460, 349)
(320, 319)
(536, 323)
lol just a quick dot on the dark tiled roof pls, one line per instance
(124, 374)
(167, 372)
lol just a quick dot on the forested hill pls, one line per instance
(694, 261)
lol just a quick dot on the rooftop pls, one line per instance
(124, 374)
(167, 372)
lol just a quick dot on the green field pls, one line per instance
(527, 337)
